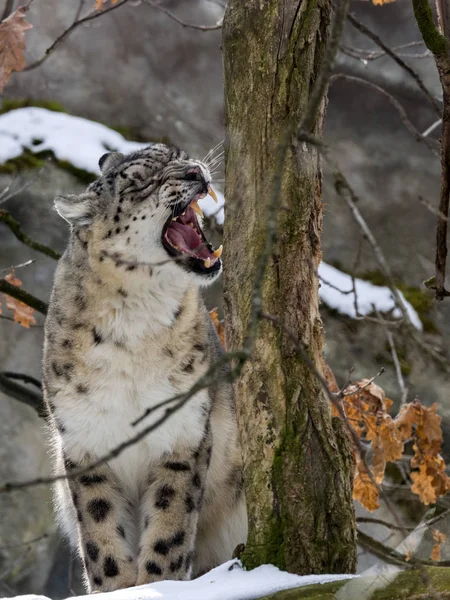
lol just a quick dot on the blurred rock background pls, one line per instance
(138, 70)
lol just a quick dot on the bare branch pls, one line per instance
(395, 103)
(372, 521)
(363, 29)
(9, 220)
(392, 556)
(177, 19)
(90, 17)
(23, 296)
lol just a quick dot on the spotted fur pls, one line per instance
(127, 329)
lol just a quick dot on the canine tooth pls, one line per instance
(174, 218)
(207, 262)
(218, 252)
(196, 208)
(212, 193)
(182, 214)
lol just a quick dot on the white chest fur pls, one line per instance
(125, 374)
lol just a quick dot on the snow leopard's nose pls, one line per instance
(196, 174)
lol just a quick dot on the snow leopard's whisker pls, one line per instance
(212, 159)
(211, 152)
(216, 157)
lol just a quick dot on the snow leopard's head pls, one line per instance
(143, 210)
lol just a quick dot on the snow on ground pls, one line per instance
(227, 582)
(74, 139)
(369, 296)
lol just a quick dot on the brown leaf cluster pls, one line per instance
(367, 409)
(12, 45)
(220, 328)
(23, 314)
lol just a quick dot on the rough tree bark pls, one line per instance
(298, 462)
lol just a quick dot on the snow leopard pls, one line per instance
(126, 331)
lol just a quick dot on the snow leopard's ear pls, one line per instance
(76, 210)
(110, 159)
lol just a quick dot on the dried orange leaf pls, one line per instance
(439, 538)
(423, 486)
(378, 461)
(218, 325)
(364, 490)
(390, 439)
(23, 314)
(432, 424)
(381, 2)
(406, 418)
(12, 45)
(436, 552)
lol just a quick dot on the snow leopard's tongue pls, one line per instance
(183, 234)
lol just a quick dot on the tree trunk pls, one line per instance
(297, 460)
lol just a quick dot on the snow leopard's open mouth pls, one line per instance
(184, 239)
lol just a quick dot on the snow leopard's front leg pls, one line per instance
(169, 514)
(103, 515)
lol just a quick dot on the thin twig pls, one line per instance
(358, 388)
(375, 38)
(177, 19)
(90, 17)
(398, 369)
